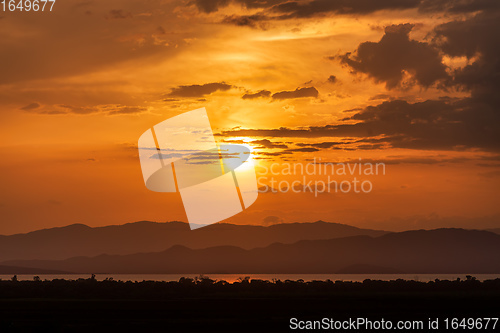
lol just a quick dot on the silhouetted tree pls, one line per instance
(246, 279)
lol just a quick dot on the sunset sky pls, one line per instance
(411, 83)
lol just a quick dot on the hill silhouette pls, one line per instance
(421, 251)
(496, 231)
(81, 240)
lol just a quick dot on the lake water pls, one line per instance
(234, 277)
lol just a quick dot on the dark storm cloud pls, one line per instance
(332, 79)
(380, 96)
(370, 146)
(274, 153)
(264, 143)
(197, 90)
(387, 60)
(60, 109)
(475, 37)
(262, 93)
(209, 6)
(116, 14)
(126, 110)
(278, 10)
(365, 7)
(286, 132)
(297, 93)
(254, 21)
(323, 145)
(458, 6)
(396, 160)
(78, 109)
(259, 3)
(447, 123)
(31, 106)
(283, 10)
(302, 150)
(300, 9)
(433, 124)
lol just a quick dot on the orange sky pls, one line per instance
(407, 86)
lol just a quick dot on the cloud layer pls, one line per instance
(396, 54)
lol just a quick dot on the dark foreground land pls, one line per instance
(204, 305)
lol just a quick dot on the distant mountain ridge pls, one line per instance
(496, 231)
(421, 251)
(81, 240)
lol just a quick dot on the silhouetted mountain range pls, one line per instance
(81, 240)
(421, 251)
(496, 231)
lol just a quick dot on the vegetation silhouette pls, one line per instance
(204, 285)
(246, 305)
